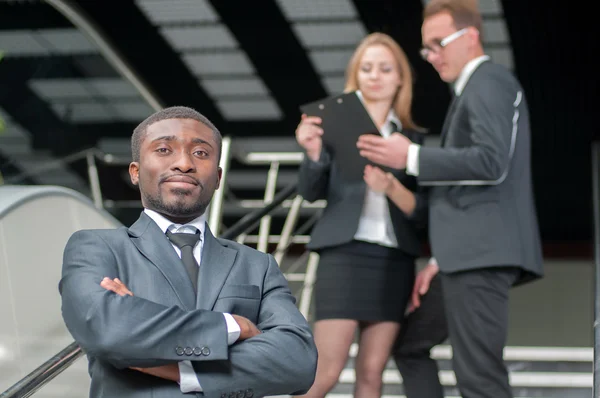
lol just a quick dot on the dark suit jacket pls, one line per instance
(339, 222)
(163, 323)
(482, 212)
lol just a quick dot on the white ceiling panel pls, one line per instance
(14, 130)
(199, 37)
(66, 41)
(177, 11)
(15, 43)
(249, 109)
(111, 87)
(317, 9)
(333, 84)
(330, 33)
(84, 112)
(330, 60)
(237, 86)
(494, 31)
(490, 7)
(53, 89)
(219, 63)
(133, 111)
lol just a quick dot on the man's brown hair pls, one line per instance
(464, 13)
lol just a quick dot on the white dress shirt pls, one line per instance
(412, 160)
(188, 382)
(375, 224)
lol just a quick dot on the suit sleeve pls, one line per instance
(313, 177)
(493, 115)
(420, 214)
(281, 360)
(128, 331)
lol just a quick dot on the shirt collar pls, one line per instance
(391, 116)
(466, 73)
(167, 225)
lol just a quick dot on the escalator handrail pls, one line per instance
(47, 371)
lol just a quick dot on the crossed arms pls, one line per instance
(133, 332)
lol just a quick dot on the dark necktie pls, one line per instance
(185, 243)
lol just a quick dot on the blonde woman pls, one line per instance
(367, 245)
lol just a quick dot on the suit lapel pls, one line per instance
(155, 246)
(215, 265)
(448, 120)
(456, 101)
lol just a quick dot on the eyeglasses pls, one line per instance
(437, 47)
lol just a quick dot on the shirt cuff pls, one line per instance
(188, 381)
(412, 160)
(233, 329)
(433, 261)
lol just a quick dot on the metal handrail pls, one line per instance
(47, 371)
(52, 164)
(61, 361)
(596, 210)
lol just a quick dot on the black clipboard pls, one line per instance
(344, 118)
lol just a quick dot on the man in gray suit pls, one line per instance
(483, 225)
(164, 308)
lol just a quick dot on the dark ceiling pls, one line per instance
(266, 70)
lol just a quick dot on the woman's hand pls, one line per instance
(378, 180)
(308, 135)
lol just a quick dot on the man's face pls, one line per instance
(448, 61)
(178, 171)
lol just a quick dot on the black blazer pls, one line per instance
(339, 222)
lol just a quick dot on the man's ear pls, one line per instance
(134, 172)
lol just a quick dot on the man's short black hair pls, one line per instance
(174, 112)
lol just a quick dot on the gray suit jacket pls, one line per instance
(163, 323)
(482, 212)
(339, 222)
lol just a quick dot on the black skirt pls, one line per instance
(363, 281)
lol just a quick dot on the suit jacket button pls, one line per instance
(205, 351)
(249, 393)
(179, 351)
(197, 351)
(188, 351)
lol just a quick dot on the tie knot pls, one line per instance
(181, 239)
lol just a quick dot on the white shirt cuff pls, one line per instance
(188, 381)
(412, 160)
(233, 329)
(433, 261)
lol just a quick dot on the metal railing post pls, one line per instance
(216, 205)
(288, 229)
(94, 180)
(265, 222)
(596, 211)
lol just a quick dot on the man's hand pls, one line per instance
(247, 328)
(422, 283)
(391, 151)
(116, 286)
(167, 372)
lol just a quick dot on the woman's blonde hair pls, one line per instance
(403, 102)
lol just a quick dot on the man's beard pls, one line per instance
(179, 208)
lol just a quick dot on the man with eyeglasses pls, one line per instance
(483, 227)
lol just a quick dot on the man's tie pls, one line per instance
(185, 243)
